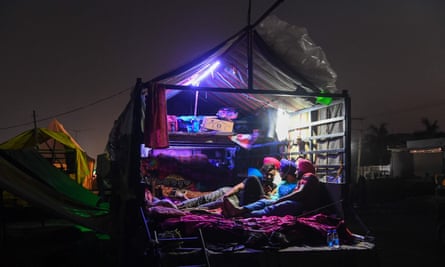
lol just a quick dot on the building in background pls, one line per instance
(419, 158)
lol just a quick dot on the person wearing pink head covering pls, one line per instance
(306, 196)
(272, 161)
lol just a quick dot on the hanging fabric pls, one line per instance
(155, 125)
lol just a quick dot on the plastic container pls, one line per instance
(332, 239)
(329, 238)
(335, 239)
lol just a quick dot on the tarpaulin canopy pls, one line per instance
(267, 65)
(272, 55)
(26, 174)
(58, 147)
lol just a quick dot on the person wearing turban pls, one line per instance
(303, 198)
(272, 161)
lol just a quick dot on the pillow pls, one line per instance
(164, 212)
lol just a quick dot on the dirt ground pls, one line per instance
(401, 215)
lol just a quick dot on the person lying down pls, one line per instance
(298, 192)
(251, 189)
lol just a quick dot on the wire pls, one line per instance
(69, 111)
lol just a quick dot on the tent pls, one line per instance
(59, 147)
(28, 175)
(267, 65)
(48, 168)
(87, 182)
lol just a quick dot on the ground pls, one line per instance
(402, 215)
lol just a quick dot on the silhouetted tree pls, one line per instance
(431, 129)
(375, 150)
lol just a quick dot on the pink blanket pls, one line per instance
(292, 230)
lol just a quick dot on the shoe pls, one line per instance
(231, 209)
(278, 239)
(256, 240)
(180, 194)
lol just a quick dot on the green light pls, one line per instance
(323, 100)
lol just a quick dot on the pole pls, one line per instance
(359, 148)
(359, 153)
(195, 111)
(36, 138)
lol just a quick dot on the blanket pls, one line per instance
(264, 232)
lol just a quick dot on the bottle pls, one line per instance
(329, 238)
(195, 125)
(172, 126)
(335, 239)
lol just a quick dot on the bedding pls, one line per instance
(259, 233)
(195, 172)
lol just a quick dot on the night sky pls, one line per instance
(77, 61)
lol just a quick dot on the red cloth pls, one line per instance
(155, 123)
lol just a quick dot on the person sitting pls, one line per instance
(304, 197)
(289, 181)
(276, 164)
(258, 184)
(268, 172)
(286, 186)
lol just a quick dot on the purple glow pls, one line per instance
(195, 81)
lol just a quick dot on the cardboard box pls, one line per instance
(218, 125)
